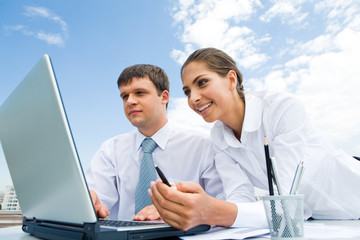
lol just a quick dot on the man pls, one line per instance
(182, 154)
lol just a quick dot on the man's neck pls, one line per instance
(149, 132)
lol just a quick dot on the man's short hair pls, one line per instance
(154, 73)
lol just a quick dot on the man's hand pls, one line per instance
(148, 213)
(101, 210)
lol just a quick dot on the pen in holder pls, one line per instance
(285, 216)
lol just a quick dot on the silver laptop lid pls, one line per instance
(40, 151)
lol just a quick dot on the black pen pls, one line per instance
(268, 167)
(162, 176)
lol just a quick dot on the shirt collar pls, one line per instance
(161, 137)
(253, 113)
(223, 136)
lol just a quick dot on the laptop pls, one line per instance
(46, 171)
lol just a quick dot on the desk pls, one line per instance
(330, 224)
(15, 233)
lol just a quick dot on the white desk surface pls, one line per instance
(16, 233)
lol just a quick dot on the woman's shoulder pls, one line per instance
(282, 110)
(275, 102)
(270, 97)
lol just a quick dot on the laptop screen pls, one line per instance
(37, 141)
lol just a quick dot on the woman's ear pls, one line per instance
(232, 76)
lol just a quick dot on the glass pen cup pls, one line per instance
(285, 216)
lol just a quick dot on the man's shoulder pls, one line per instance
(190, 135)
(123, 138)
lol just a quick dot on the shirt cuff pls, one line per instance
(250, 214)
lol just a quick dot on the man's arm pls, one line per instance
(101, 210)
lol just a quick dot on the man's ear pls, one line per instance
(232, 76)
(165, 96)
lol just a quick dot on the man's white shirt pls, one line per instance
(183, 154)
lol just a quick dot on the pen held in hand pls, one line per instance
(162, 176)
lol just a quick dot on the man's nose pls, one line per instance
(131, 100)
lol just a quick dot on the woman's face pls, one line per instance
(207, 91)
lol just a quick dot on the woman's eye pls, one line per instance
(202, 82)
(186, 92)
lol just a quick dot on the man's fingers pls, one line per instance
(101, 210)
(94, 197)
(147, 213)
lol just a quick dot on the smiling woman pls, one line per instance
(238, 135)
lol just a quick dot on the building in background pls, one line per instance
(10, 214)
(10, 201)
(1, 198)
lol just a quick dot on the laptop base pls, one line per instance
(92, 231)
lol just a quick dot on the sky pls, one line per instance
(306, 47)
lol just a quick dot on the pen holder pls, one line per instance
(285, 216)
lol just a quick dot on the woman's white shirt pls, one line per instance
(330, 178)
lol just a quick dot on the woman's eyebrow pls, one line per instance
(194, 81)
(197, 78)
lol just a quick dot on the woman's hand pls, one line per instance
(190, 206)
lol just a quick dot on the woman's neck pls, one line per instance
(235, 118)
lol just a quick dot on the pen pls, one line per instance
(162, 176)
(276, 176)
(297, 178)
(284, 205)
(268, 166)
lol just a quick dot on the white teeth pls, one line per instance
(203, 107)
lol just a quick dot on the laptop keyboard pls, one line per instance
(120, 223)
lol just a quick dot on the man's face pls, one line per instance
(144, 108)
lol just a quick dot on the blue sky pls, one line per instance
(306, 47)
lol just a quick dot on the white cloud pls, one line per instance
(318, 63)
(57, 39)
(52, 39)
(180, 113)
(212, 23)
(36, 12)
(45, 13)
(14, 28)
(327, 77)
(288, 11)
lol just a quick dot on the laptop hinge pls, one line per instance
(59, 230)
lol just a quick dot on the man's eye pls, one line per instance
(124, 97)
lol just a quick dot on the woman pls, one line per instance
(213, 85)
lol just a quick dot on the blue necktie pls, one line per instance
(146, 175)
